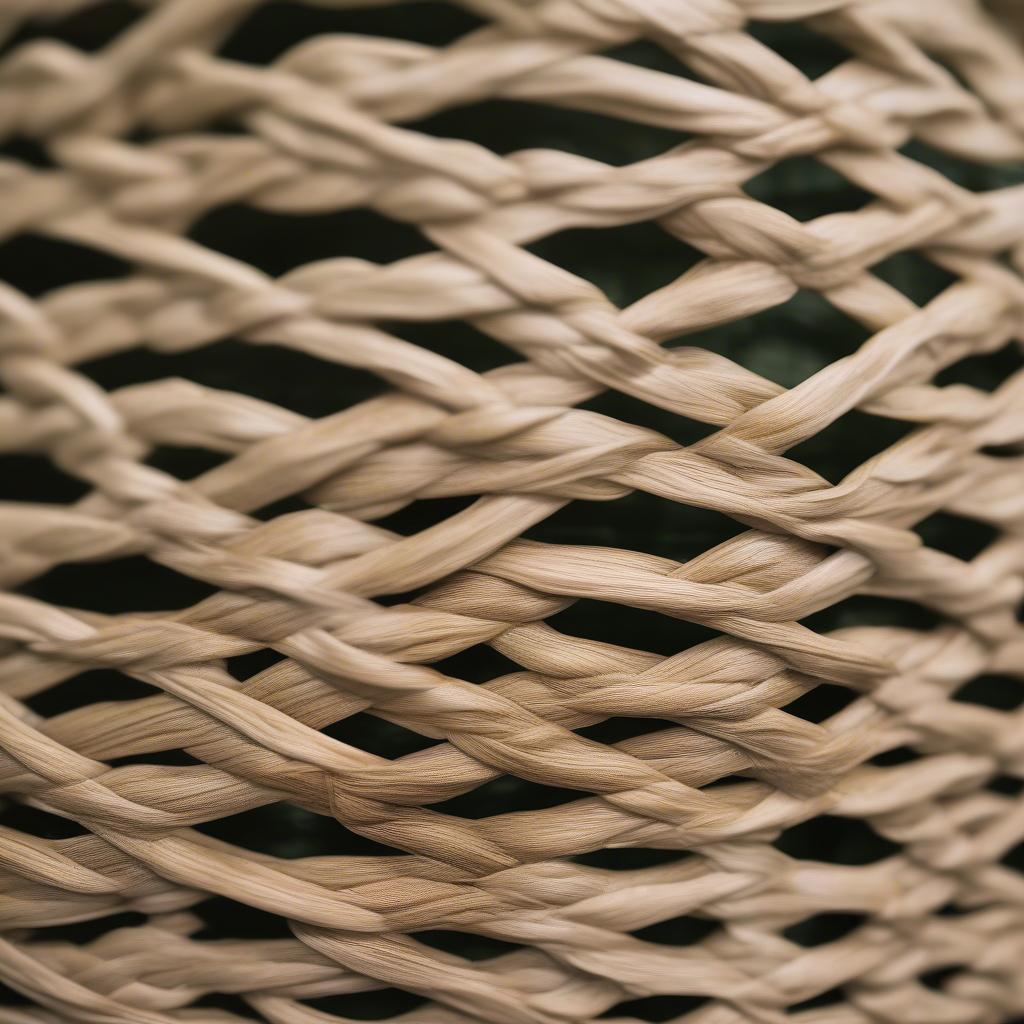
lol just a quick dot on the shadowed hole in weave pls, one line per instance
(836, 840)
(26, 150)
(1005, 785)
(88, 28)
(466, 944)
(423, 513)
(655, 1008)
(225, 918)
(678, 931)
(865, 610)
(455, 340)
(821, 702)
(185, 463)
(960, 167)
(174, 758)
(833, 997)
(625, 262)
(35, 822)
(36, 478)
(506, 794)
(81, 932)
(936, 980)
(274, 28)
(85, 688)
(1003, 451)
(36, 264)
(117, 586)
(628, 409)
(821, 928)
(1004, 693)
(636, 628)
(986, 371)
(245, 666)
(277, 242)
(895, 756)
(805, 188)
(640, 522)
(1014, 858)
(272, 373)
(285, 830)
(645, 53)
(379, 1004)
(786, 343)
(914, 275)
(963, 538)
(508, 126)
(847, 443)
(814, 53)
(230, 1004)
(629, 858)
(10, 997)
(477, 664)
(281, 507)
(615, 730)
(378, 736)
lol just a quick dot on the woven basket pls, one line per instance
(512, 512)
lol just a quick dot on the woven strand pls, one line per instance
(131, 132)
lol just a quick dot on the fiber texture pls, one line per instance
(320, 570)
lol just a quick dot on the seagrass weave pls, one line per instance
(513, 511)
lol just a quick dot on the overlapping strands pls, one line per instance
(513, 512)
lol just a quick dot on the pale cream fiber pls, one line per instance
(137, 157)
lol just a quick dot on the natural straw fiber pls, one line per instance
(367, 770)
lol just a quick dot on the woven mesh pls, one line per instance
(513, 512)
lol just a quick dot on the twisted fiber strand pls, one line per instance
(318, 140)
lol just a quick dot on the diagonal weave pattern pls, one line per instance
(471, 802)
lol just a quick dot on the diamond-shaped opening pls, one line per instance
(1004, 693)
(273, 28)
(466, 944)
(986, 371)
(477, 664)
(99, 684)
(639, 522)
(655, 1008)
(628, 409)
(629, 627)
(847, 443)
(812, 52)
(174, 758)
(455, 340)
(896, 756)
(821, 702)
(274, 373)
(36, 478)
(378, 736)
(1005, 785)
(35, 822)
(646, 53)
(285, 830)
(81, 932)
(225, 918)
(26, 150)
(626, 262)
(615, 730)
(964, 538)
(786, 343)
(36, 264)
(822, 928)
(629, 858)
(678, 931)
(833, 997)
(508, 126)
(914, 275)
(962, 169)
(88, 28)
(380, 1004)
(863, 610)
(277, 242)
(805, 188)
(185, 463)
(836, 840)
(425, 512)
(118, 586)
(506, 794)
(245, 666)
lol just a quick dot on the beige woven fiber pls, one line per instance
(567, 686)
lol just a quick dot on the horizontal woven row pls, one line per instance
(451, 580)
